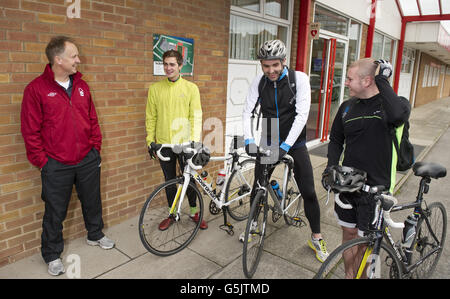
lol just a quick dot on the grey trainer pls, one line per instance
(56, 267)
(104, 243)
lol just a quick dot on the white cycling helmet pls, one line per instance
(272, 49)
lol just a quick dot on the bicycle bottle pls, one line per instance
(409, 232)
(276, 189)
(220, 180)
(206, 178)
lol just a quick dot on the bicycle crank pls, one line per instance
(275, 215)
(213, 209)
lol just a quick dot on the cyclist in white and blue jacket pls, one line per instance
(285, 113)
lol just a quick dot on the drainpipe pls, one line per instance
(303, 37)
(371, 29)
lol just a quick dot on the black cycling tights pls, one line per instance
(304, 177)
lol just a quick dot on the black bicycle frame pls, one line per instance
(417, 205)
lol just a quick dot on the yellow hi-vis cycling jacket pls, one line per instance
(173, 112)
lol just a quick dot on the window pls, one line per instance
(264, 20)
(408, 60)
(331, 21)
(277, 8)
(388, 49)
(247, 4)
(383, 47)
(246, 36)
(377, 48)
(353, 42)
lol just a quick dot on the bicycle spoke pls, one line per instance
(429, 241)
(254, 235)
(355, 259)
(181, 230)
(240, 185)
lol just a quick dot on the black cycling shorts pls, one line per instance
(362, 213)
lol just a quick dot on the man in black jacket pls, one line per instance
(362, 124)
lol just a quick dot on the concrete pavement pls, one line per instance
(215, 254)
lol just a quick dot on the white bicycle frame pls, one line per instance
(190, 171)
(281, 207)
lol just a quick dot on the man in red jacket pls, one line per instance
(62, 138)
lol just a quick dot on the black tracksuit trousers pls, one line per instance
(57, 184)
(303, 174)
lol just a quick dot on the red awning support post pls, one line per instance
(303, 35)
(371, 29)
(398, 64)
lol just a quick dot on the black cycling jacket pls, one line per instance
(362, 125)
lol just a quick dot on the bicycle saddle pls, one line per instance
(430, 169)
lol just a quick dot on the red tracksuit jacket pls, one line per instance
(54, 125)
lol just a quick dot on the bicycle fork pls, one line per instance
(370, 262)
(175, 208)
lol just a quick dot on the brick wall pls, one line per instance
(115, 44)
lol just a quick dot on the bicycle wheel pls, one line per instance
(182, 229)
(254, 234)
(293, 201)
(426, 248)
(240, 183)
(346, 261)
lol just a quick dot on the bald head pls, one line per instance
(365, 67)
(361, 78)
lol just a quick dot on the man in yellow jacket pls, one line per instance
(173, 116)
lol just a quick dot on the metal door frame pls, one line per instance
(326, 84)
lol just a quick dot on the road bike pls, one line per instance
(415, 256)
(286, 203)
(233, 201)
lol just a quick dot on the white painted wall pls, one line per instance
(422, 32)
(388, 18)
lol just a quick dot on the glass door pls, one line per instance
(327, 77)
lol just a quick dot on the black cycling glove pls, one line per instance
(152, 149)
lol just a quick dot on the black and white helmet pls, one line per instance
(344, 179)
(272, 49)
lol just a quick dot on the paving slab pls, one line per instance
(269, 267)
(183, 265)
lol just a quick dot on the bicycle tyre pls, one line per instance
(180, 233)
(334, 268)
(240, 209)
(424, 241)
(252, 248)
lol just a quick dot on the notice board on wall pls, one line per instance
(163, 43)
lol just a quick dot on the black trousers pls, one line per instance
(303, 174)
(169, 169)
(57, 183)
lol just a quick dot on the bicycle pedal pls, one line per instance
(298, 222)
(228, 227)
